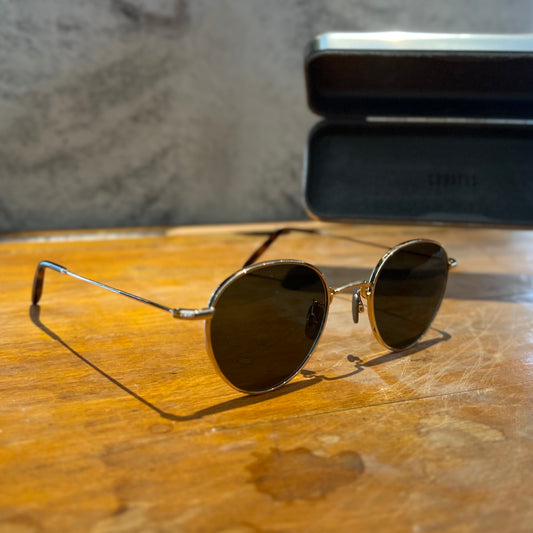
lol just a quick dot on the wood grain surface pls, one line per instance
(113, 419)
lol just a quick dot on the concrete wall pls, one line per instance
(147, 112)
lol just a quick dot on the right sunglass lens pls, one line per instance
(408, 291)
(266, 324)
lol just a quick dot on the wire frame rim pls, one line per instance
(219, 291)
(374, 278)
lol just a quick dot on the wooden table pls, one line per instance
(112, 418)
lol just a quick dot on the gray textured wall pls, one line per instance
(146, 112)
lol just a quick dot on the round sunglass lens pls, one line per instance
(408, 291)
(266, 324)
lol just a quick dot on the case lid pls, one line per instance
(412, 74)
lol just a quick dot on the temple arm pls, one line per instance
(38, 282)
(272, 236)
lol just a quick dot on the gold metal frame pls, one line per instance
(243, 272)
(364, 289)
(369, 291)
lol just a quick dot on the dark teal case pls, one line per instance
(440, 135)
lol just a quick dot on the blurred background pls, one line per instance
(163, 112)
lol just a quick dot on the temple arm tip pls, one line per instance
(38, 279)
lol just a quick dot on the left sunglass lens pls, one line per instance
(266, 324)
(408, 291)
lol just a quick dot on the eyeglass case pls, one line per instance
(420, 128)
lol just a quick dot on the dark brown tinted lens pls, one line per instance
(408, 291)
(266, 324)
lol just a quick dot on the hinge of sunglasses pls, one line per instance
(193, 314)
(452, 262)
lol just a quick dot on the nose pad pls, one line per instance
(357, 306)
(313, 322)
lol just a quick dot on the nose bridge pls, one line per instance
(361, 289)
(363, 286)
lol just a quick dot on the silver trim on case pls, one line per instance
(422, 42)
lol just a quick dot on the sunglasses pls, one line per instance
(263, 322)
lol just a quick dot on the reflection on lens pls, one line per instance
(408, 291)
(266, 324)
